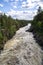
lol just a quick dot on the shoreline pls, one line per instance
(36, 36)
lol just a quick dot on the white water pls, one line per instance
(22, 49)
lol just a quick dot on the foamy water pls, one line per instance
(22, 49)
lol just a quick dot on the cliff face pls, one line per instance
(22, 49)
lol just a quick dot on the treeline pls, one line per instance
(8, 27)
(37, 27)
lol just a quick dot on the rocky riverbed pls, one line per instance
(22, 49)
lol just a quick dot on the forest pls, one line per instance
(8, 28)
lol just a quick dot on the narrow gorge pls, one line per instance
(22, 49)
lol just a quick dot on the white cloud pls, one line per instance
(24, 4)
(1, 5)
(28, 9)
(11, 12)
(14, 6)
(28, 5)
(21, 14)
(0, 11)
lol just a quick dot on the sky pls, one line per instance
(20, 9)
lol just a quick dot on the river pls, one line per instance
(22, 49)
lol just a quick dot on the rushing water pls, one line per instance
(22, 49)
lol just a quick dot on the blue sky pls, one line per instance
(20, 9)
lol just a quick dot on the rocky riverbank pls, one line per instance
(38, 38)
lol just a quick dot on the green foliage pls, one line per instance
(8, 27)
(39, 17)
(1, 37)
(37, 25)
